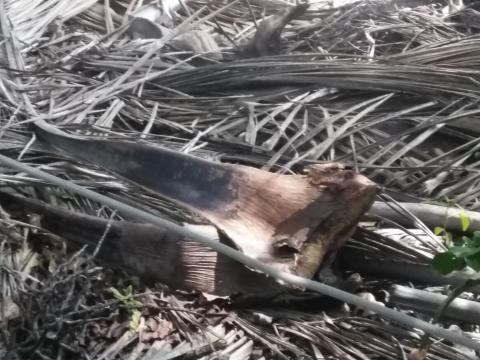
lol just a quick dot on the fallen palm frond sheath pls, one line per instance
(248, 261)
(288, 221)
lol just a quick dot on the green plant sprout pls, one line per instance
(131, 303)
(458, 257)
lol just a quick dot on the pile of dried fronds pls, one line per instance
(390, 88)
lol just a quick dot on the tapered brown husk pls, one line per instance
(288, 221)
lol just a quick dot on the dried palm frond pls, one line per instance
(389, 88)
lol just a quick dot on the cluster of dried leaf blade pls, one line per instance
(389, 88)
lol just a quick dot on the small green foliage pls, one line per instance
(438, 230)
(463, 251)
(127, 298)
(135, 317)
(474, 241)
(458, 257)
(473, 262)
(129, 301)
(464, 219)
(447, 262)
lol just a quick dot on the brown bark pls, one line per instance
(288, 221)
(148, 251)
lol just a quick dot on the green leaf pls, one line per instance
(438, 230)
(463, 251)
(475, 239)
(446, 262)
(116, 294)
(135, 320)
(134, 302)
(464, 220)
(473, 262)
(470, 242)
